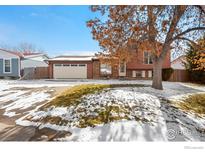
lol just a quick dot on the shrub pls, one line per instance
(195, 58)
(197, 76)
(166, 73)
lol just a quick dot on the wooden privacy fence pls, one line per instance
(179, 76)
(35, 73)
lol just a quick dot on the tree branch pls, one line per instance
(187, 31)
(178, 12)
(186, 39)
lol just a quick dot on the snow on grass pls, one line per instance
(187, 126)
(119, 131)
(142, 110)
(194, 86)
(13, 96)
(143, 102)
(7, 84)
(24, 101)
(148, 118)
(10, 114)
(4, 85)
(122, 104)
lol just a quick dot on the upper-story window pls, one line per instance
(7, 65)
(147, 58)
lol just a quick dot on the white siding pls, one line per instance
(38, 58)
(7, 55)
(27, 63)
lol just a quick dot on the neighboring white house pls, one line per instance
(177, 64)
(32, 60)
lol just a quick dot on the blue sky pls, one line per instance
(56, 29)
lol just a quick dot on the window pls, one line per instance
(105, 69)
(66, 65)
(58, 64)
(147, 58)
(7, 65)
(74, 65)
(82, 65)
(138, 73)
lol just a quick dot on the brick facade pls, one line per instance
(96, 69)
(136, 64)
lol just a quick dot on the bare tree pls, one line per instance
(23, 47)
(27, 48)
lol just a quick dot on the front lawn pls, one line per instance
(72, 95)
(194, 103)
(120, 112)
(90, 105)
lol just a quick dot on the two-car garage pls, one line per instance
(70, 67)
(66, 71)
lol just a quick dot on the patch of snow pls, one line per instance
(145, 102)
(194, 86)
(136, 105)
(12, 97)
(186, 126)
(10, 114)
(119, 131)
(25, 102)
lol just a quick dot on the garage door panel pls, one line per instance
(70, 71)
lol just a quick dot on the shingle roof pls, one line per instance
(19, 54)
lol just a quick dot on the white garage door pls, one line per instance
(72, 71)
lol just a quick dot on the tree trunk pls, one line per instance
(157, 74)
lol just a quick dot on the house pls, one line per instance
(10, 64)
(34, 66)
(89, 67)
(178, 63)
(62, 67)
(32, 60)
(17, 64)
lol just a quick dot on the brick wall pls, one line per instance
(136, 61)
(96, 69)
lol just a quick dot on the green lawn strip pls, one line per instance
(194, 103)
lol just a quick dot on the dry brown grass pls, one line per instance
(194, 103)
